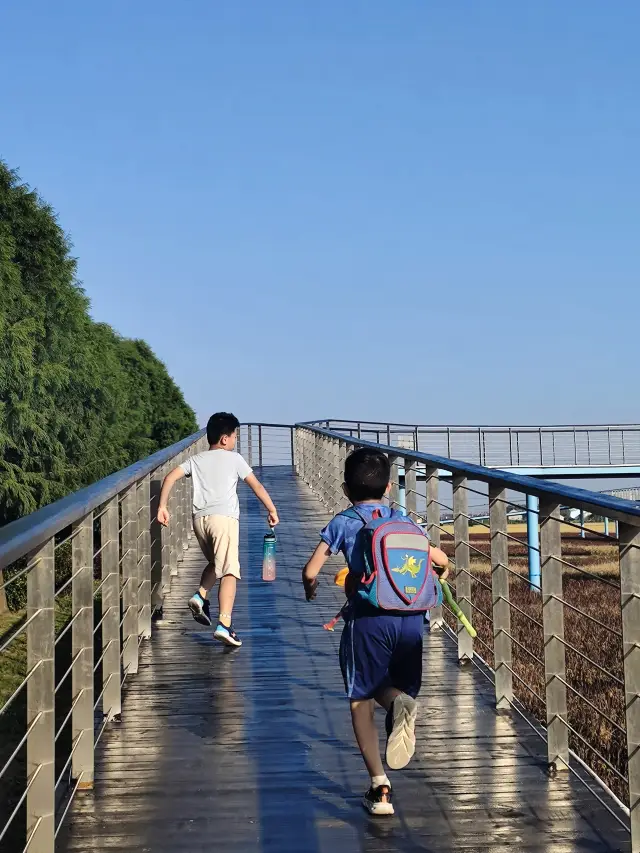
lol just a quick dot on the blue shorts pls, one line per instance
(380, 650)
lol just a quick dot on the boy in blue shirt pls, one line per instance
(380, 651)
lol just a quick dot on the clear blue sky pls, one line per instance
(414, 210)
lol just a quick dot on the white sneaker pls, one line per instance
(401, 731)
(377, 801)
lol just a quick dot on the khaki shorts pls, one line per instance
(218, 537)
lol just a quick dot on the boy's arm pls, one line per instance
(167, 485)
(265, 499)
(312, 569)
(440, 562)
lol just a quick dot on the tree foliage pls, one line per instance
(77, 401)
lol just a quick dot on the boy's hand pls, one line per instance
(273, 519)
(443, 574)
(163, 516)
(310, 588)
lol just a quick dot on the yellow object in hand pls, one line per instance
(341, 577)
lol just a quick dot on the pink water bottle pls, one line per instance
(269, 557)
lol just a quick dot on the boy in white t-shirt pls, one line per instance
(216, 516)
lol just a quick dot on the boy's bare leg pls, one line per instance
(226, 598)
(207, 580)
(366, 732)
(385, 697)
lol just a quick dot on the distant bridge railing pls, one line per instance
(507, 446)
(93, 568)
(265, 445)
(566, 656)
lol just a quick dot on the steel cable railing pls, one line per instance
(75, 567)
(561, 649)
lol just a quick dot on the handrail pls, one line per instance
(616, 508)
(557, 427)
(27, 533)
(560, 628)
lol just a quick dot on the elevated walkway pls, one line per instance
(252, 750)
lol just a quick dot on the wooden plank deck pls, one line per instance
(252, 749)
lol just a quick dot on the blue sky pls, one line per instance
(414, 210)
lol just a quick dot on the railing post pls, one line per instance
(260, 445)
(327, 468)
(293, 447)
(157, 581)
(410, 496)
(189, 490)
(553, 622)
(249, 445)
(184, 516)
(111, 698)
(143, 493)
(337, 479)
(174, 524)
(299, 440)
(629, 546)
(82, 651)
(500, 595)
(129, 581)
(394, 492)
(342, 456)
(462, 567)
(40, 700)
(325, 449)
(165, 556)
(433, 525)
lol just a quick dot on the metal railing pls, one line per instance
(566, 656)
(266, 444)
(507, 446)
(94, 567)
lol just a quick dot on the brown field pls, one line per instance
(594, 666)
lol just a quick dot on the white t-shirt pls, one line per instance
(215, 476)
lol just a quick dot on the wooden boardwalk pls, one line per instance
(252, 749)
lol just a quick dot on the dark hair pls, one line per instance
(222, 423)
(366, 474)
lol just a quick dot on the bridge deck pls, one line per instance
(252, 749)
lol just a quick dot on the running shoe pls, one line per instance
(401, 735)
(227, 635)
(377, 801)
(199, 606)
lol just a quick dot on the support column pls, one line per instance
(462, 567)
(129, 581)
(533, 541)
(629, 592)
(144, 558)
(553, 621)
(502, 652)
(410, 496)
(110, 558)
(82, 652)
(433, 526)
(40, 700)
